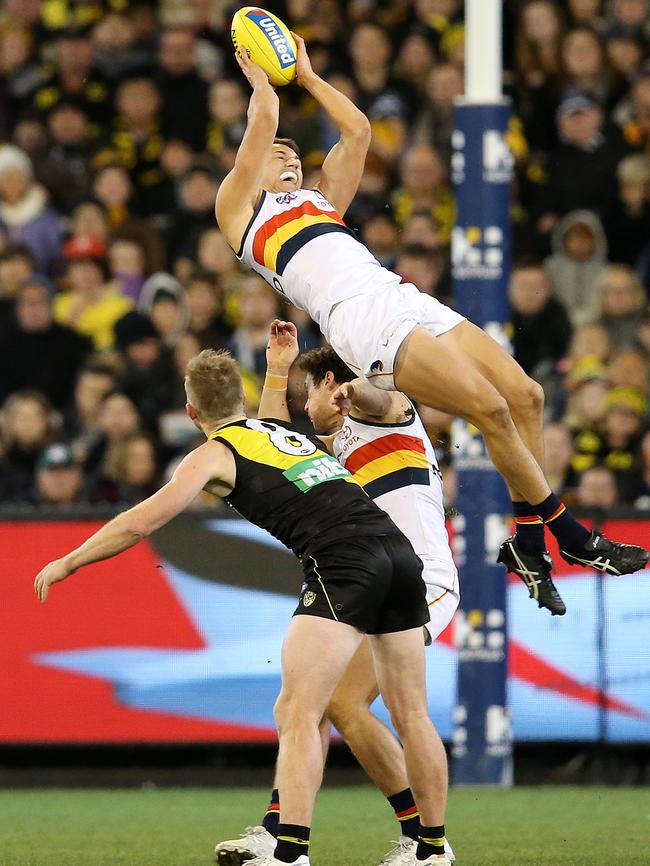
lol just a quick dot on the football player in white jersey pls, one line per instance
(379, 437)
(386, 330)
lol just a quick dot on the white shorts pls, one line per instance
(441, 599)
(367, 331)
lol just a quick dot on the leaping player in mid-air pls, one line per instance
(387, 331)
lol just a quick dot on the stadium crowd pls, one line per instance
(118, 120)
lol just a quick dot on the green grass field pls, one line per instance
(353, 826)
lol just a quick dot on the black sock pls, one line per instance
(529, 528)
(406, 812)
(570, 534)
(431, 840)
(272, 817)
(293, 840)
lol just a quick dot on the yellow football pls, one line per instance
(268, 40)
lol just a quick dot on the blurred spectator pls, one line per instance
(135, 142)
(66, 166)
(421, 266)
(629, 369)
(115, 46)
(537, 56)
(636, 490)
(163, 300)
(434, 123)
(259, 305)
(197, 193)
(59, 478)
(89, 223)
(16, 267)
(587, 12)
(627, 219)
(129, 471)
(35, 352)
(73, 75)
(622, 299)
(625, 54)
(146, 378)
(25, 215)
(637, 129)
(380, 235)
(227, 107)
(632, 15)
(622, 429)
(583, 61)
(541, 327)
(579, 255)
(597, 489)
(113, 189)
(215, 255)
(205, 304)
(558, 451)
(127, 264)
(421, 228)
(424, 188)
(93, 383)
(184, 107)
(116, 418)
(28, 425)
(91, 306)
(581, 169)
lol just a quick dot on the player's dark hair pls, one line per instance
(288, 142)
(319, 362)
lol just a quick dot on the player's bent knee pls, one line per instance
(491, 412)
(527, 397)
(345, 714)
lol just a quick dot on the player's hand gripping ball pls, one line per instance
(268, 41)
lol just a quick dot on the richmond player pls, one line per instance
(379, 437)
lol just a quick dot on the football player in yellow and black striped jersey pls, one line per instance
(361, 577)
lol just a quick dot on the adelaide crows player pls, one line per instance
(361, 576)
(386, 330)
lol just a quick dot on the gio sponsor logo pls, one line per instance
(498, 160)
(275, 36)
(476, 253)
(480, 635)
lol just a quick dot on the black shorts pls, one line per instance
(373, 583)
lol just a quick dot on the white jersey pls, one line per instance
(397, 467)
(301, 246)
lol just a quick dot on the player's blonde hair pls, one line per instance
(214, 386)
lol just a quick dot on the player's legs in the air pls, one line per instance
(433, 371)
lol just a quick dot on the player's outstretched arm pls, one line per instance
(207, 462)
(281, 352)
(240, 188)
(367, 402)
(344, 164)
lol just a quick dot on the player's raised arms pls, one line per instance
(344, 164)
(240, 188)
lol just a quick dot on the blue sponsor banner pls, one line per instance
(482, 174)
